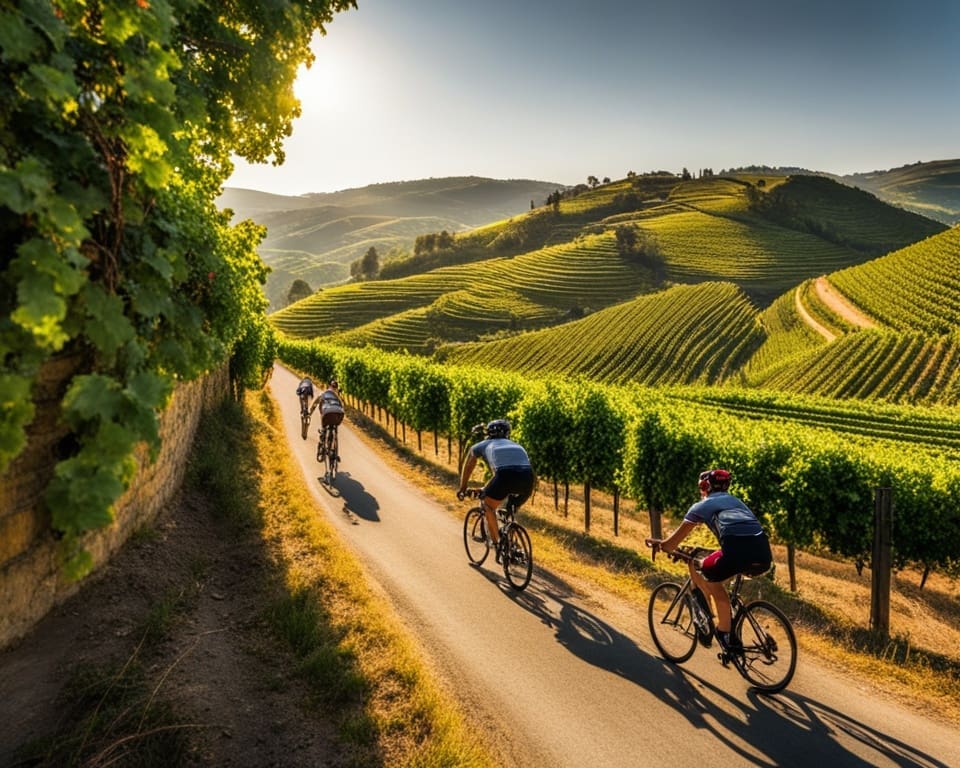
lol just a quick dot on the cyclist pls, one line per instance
(512, 472)
(305, 393)
(744, 547)
(331, 407)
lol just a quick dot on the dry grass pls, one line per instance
(919, 664)
(359, 661)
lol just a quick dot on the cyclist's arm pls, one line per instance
(468, 466)
(673, 540)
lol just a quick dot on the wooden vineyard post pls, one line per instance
(882, 560)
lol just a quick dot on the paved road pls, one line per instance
(562, 679)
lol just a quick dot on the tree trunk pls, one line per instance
(586, 507)
(656, 523)
(792, 566)
(616, 511)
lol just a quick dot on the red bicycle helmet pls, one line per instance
(714, 480)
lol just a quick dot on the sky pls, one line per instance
(562, 90)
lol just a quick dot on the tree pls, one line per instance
(299, 289)
(370, 264)
(593, 181)
(118, 122)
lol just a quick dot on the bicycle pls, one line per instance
(304, 415)
(328, 452)
(514, 551)
(765, 647)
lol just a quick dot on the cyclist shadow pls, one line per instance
(782, 729)
(787, 728)
(582, 633)
(356, 501)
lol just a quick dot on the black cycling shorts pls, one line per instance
(510, 480)
(738, 554)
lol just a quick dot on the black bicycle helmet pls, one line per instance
(714, 480)
(498, 428)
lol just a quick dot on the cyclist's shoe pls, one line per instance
(729, 642)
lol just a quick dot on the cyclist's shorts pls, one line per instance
(738, 554)
(331, 415)
(511, 480)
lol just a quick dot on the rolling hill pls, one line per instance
(930, 189)
(316, 237)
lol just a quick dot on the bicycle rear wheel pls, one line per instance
(518, 556)
(671, 622)
(304, 423)
(769, 647)
(475, 539)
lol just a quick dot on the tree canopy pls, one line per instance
(118, 122)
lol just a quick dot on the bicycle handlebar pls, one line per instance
(682, 552)
(470, 493)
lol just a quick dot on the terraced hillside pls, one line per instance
(469, 301)
(316, 237)
(912, 356)
(685, 334)
(928, 301)
(700, 232)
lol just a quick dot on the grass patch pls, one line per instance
(364, 672)
(110, 716)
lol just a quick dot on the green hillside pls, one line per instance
(316, 237)
(910, 357)
(684, 334)
(710, 260)
(466, 302)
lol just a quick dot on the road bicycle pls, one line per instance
(514, 551)
(328, 452)
(304, 415)
(764, 647)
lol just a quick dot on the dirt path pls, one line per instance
(836, 304)
(808, 318)
(840, 306)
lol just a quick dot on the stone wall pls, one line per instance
(30, 580)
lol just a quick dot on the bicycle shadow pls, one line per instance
(789, 729)
(357, 502)
(765, 730)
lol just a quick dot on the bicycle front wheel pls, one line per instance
(518, 556)
(671, 622)
(769, 646)
(333, 456)
(475, 536)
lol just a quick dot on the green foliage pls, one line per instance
(810, 483)
(115, 139)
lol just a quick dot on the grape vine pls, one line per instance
(118, 120)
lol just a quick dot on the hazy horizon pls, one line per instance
(417, 89)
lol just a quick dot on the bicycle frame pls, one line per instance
(764, 650)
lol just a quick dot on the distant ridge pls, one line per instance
(315, 237)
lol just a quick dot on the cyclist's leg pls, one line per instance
(714, 588)
(490, 507)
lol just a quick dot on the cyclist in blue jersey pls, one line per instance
(510, 465)
(744, 547)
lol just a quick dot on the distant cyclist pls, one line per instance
(305, 393)
(331, 406)
(510, 465)
(744, 547)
